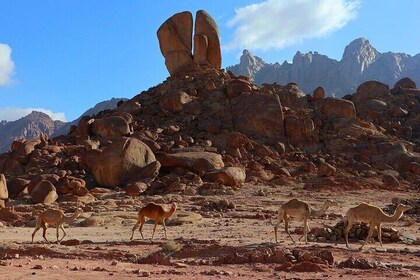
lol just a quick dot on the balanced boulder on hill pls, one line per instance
(175, 40)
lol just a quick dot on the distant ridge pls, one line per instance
(28, 127)
(31, 126)
(360, 62)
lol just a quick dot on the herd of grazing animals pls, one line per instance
(294, 208)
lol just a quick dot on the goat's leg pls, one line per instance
(44, 231)
(37, 227)
(347, 229)
(286, 228)
(64, 232)
(58, 226)
(379, 233)
(309, 229)
(276, 227)
(154, 229)
(134, 228)
(305, 230)
(371, 229)
(164, 229)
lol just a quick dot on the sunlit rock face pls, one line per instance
(175, 40)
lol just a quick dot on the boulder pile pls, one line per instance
(358, 232)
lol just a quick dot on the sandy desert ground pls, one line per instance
(219, 243)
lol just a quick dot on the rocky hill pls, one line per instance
(360, 62)
(205, 131)
(28, 127)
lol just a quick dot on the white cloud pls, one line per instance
(7, 65)
(12, 114)
(281, 23)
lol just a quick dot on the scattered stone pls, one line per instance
(38, 266)
(326, 169)
(4, 193)
(70, 242)
(359, 264)
(5, 263)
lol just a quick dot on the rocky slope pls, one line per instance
(205, 131)
(29, 127)
(360, 62)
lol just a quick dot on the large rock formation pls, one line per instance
(360, 62)
(175, 41)
(121, 161)
(206, 41)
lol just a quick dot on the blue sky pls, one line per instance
(63, 57)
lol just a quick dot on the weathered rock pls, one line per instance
(175, 41)
(390, 181)
(21, 149)
(292, 97)
(307, 266)
(332, 107)
(84, 127)
(326, 169)
(405, 83)
(120, 161)
(4, 193)
(280, 148)
(17, 186)
(310, 167)
(174, 101)
(132, 107)
(371, 90)
(229, 176)
(206, 40)
(200, 162)
(277, 169)
(238, 86)
(318, 93)
(300, 131)
(370, 106)
(359, 264)
(44, 192)
(398, 112)
(259, 115)
(53, 178)
(110, 127)
(135, 188)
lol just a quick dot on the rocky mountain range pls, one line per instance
(360, 62)
(28, 127)
(32, 125)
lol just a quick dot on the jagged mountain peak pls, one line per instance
(249, 64)
(360, 62)
(360, 49)
(37, 115)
